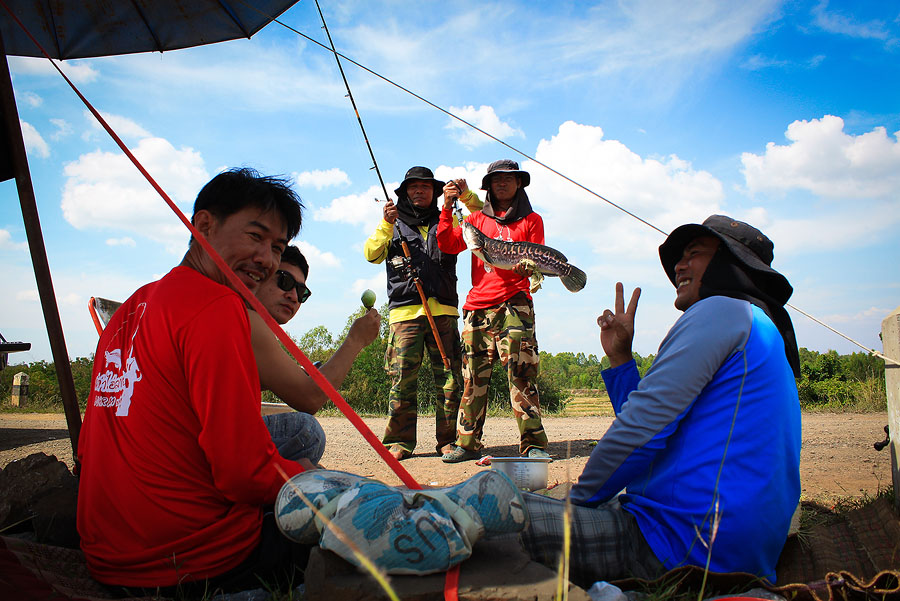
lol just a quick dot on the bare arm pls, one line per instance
(279, 373)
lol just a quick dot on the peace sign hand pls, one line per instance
(617, 329)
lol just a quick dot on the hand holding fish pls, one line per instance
(617, 329)
(524, 268)
(390, 211)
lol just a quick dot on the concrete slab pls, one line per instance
(497, 571)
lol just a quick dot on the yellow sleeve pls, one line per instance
(376, 246)
(472, 202)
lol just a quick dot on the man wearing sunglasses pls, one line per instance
(297, 434)
(283, 294)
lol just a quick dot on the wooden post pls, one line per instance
(12, 132)
(890, 338)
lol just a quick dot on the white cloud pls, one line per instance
(103, 190)
(63, 129)
(375, 283)
(34, 143)
(834, 22)
(665, 192)
(758, 62)
(318, 259)
(821, 158)
(30, 295)
(472, 172)
(484, 118)
(123, 126)
(79, 71)
(831, 228)
(321, 179)
(32, 99)
(72, 299)
(7, 243)
(126, 241)
(356, 209)
(272, 78)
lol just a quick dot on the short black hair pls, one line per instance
(293, 256)
(236, 189)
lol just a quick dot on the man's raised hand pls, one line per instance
(390, 211)
(617, 329)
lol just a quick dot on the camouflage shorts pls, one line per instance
(504, 332)
(407, 343)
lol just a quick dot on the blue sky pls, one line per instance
(783, 114)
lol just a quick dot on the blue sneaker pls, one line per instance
(536, 453)
(402, 531)
(321, 487)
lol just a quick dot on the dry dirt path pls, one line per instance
(837, 459)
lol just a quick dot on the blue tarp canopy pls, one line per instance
(70, 29)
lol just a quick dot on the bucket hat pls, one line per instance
(748, 245)
(504, 166)
(422, 174)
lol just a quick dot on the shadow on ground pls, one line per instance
(11, 438)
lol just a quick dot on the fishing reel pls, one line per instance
(405, 267)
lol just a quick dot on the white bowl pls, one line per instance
(527, 473)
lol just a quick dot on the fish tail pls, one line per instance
(575, 280)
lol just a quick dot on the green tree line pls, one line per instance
(827, 380)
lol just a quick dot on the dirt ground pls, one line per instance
(837, 460)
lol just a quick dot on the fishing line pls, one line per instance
(352, 101)
(869, 350)
(448, 113)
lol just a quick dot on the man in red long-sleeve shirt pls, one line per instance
(176, 463)
(498, 315)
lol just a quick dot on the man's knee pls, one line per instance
(297, 435)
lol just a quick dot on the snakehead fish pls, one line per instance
(506, 255)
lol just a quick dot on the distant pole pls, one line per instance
(890, 337)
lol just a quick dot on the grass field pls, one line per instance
(579, 405)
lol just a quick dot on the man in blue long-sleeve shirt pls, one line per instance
(707, 445)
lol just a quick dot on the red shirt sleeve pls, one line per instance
(536, 229)
(449, 238)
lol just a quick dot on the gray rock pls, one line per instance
(39, 493)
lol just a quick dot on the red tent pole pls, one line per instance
(16, 147)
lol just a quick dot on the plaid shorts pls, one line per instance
(606, 541)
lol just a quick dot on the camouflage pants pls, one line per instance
(407, 342)
(504, 332)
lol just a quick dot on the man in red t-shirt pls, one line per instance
(498, 316)
(176, 463)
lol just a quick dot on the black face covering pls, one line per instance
(519, 209)
(724, 276)
(412, 215)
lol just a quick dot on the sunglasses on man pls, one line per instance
(286, 281)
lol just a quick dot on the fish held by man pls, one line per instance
(506, 255)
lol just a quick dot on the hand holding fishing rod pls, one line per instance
(390, 212)
(453, 192)
(410, 272)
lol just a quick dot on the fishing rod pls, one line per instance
(416, 279)
(352, 102)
